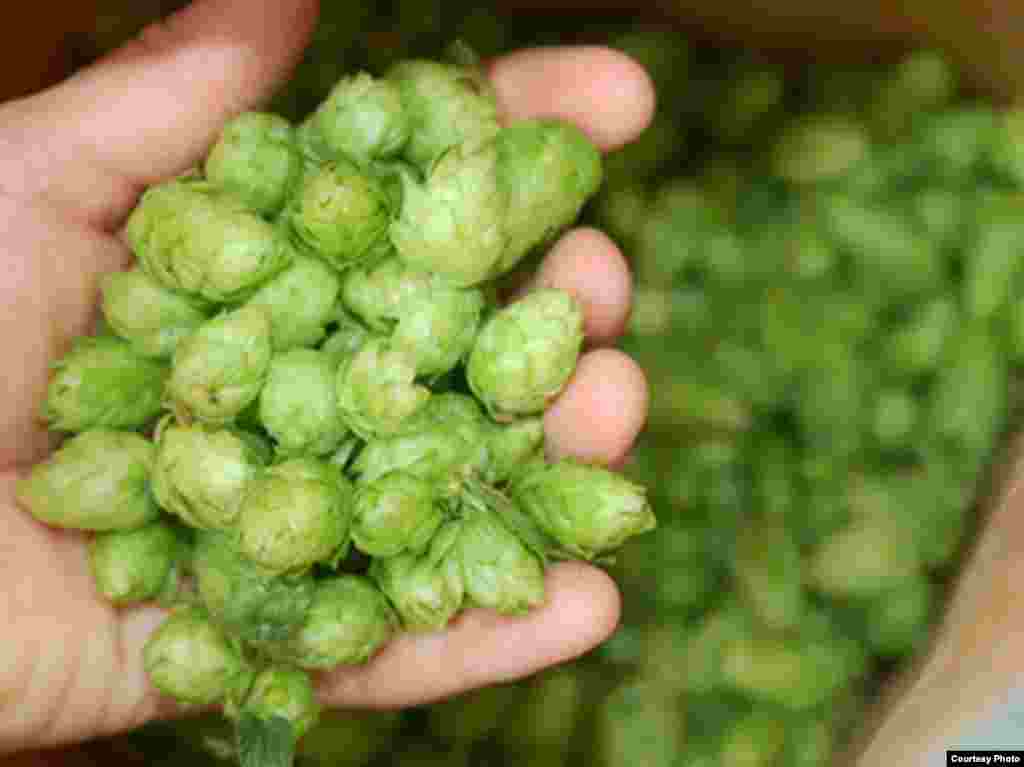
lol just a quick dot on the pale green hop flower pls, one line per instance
(526, 352)
(97, 480)
(201, 471)
(284, 692)
(298, 406)
(395, 513)
(549, 169)
(362, 118)
(426, 589)
(194, 661)
(245, 599)
(295, 514)
(348, 621)
(454, 223)
(256, 159)
(445, 106)
(340, 213)
(219, 370)
(104, 382)
(194, 238)
(135, 565)
(376, 390)
(300, 302)
(589, 510)
(150, 317)
(498, 571)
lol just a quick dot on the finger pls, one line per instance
(602, 410)
(603, 91)
(482, 648)
(587, 264)
(152, 108)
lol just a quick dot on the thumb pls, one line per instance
(151, 108)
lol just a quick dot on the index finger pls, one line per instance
(604, 92)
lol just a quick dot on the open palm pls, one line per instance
(73, 161)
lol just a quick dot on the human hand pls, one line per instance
(73, 161)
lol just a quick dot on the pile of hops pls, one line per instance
(306, 424)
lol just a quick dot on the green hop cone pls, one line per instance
(150, 317)
(395, 513)
(438, 330)
(454, 223)
(426, 589)
(196, 239)
(510, 446)
(247, 601)
(298, 406)
(430, 319)
(104, 382)
(443, 443)
(201, 471)
(362, 118)
(589, 510)
(194, 661)
(256, 159)
(295, 514)
(550, 169)
(348, 621)
(301, 302)
(280, 691)
(526, 353)
(345, 340)
(376, 390)
(136, 565)
(97, 480)
(219, 370)
(499, 572)
(379, 295)
(445, 106)
(341, 214)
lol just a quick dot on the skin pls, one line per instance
(73, 161)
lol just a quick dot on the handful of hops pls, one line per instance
(307, 425)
